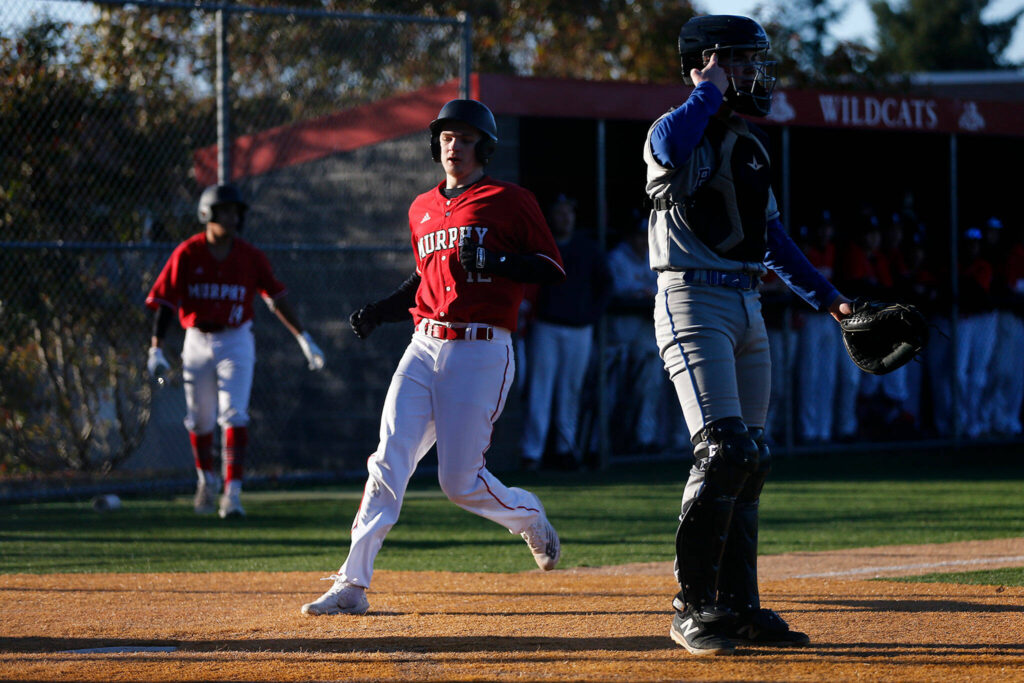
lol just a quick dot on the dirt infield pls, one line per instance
(591, 624)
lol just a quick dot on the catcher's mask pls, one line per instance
(751, 78)
(218, 195)
(475, 114)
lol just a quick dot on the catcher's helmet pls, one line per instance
(726, 34)
(215, 195)
(473, 113)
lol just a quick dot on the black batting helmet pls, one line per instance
(215, 195)
(726, 34)
(475, 114)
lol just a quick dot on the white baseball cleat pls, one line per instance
(230, 507)
(205, 501)
(543, 541)
(342, 598)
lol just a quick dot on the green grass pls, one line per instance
(626, 515)
(1007, 576)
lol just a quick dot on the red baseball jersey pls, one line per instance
(824, 259)
(502, 217)
(215, 292)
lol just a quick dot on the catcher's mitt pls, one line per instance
(881, 337)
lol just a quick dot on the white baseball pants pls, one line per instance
(450, 392)
(558, 356)
(217, 370)
(819, 349)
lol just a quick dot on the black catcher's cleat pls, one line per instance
(765, 628)
(700, 631)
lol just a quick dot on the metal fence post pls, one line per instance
(603, 448)
(223, 100)
(466, 67)
(954, 281)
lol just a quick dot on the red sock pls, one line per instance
(202, 450)
(235, 441)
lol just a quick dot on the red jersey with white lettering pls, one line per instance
(503, 218)
(214, 292)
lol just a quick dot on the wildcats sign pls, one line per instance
(860, 110)
(850, 110)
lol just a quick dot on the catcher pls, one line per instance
(714, 231)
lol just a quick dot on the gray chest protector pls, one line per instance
(727, 212)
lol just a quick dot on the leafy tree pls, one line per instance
(807, 54)
(72, 394)
(68, 399)
(940, 35)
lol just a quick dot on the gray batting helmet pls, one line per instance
(215, 195)
(724, 34)
(471, 112)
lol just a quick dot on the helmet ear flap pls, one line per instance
(435, 147)
(485, 148)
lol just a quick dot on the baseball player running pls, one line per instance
(211, 280)
(476, 240)
(713, 229)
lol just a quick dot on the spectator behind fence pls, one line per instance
(976, 330)
(886, 397)
(819, 338)
(633, 364)
(924, 288)
(1005, 386)
(558, 350)
(860, 275)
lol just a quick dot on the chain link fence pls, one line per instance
(109, 115)
(109, 126)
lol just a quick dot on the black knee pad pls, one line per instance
(755, 482)
(730, 455)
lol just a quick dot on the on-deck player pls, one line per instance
(211, 280)
(476, 240)
(714, 228)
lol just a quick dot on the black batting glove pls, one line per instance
(472, 256)
(364, 321)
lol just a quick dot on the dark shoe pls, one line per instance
(700, 631)
(529, 464)
(766, 628)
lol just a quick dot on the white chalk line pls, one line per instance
(120, 649)
(907, 567)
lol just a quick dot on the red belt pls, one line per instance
(449, 331)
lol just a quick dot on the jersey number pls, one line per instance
(235, 317)
(480, 277)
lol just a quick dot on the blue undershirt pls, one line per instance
(673, 140)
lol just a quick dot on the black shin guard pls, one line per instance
(737, 580)
(726, 456)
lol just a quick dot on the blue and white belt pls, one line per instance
(722, 278)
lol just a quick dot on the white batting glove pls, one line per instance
(314, 356)
(157, 364)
